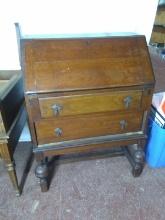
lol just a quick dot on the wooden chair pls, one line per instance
(12, 119)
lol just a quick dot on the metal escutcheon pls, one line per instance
(56, 109)
(58, 132)
(123, 124)
(127, 101)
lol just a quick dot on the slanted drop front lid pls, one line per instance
(67, 64)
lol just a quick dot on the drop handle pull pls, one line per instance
(127, 101)
(123, 124)
(58, 132)
(57, 108)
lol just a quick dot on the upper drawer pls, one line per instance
(90, 103)
(85, 63)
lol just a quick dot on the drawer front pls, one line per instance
(90, 103)
(68, 128)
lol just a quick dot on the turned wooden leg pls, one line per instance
(136, 156)
(139, 162)
(42, 173)
(13, 177)
(7, 156)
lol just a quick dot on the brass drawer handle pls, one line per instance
(123, 124)
(127, 101)
(58, 132)
(56, 109)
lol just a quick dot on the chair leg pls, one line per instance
(10, 165)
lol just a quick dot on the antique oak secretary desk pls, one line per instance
(84, 93)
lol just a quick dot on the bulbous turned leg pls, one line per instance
(42, 173)
(139, 162)
(136, 157)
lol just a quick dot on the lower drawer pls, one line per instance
(83, 126)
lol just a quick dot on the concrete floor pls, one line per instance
(87, 186)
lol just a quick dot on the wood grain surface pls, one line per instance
(90, 103)
(87, 126)
(78, 64)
